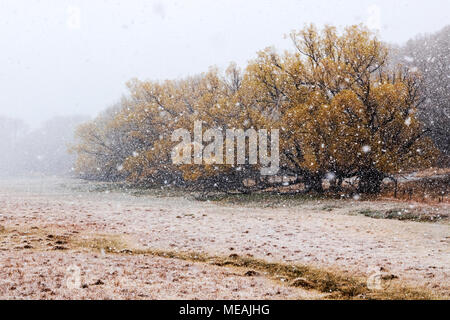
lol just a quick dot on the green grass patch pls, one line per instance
(262, 199)
(403, 215)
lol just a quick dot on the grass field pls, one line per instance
(119, 243)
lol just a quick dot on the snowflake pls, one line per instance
(330, 176)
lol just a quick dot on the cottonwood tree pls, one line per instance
(340, 110)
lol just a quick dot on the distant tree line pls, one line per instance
(39, 151)
(430, 55)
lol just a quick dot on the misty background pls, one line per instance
(63, 62)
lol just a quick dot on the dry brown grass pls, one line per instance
(334, 284)
(429, 190)
(433, 171)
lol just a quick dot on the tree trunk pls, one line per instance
(336, 185)
(370, 181)
(315, 183)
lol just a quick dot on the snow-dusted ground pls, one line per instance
(418, 253)
(50, 275)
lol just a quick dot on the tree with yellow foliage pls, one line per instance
(340, 110)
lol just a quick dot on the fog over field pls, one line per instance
(71, 59)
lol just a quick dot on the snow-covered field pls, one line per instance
(326, 234)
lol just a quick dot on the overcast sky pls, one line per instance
(61, 57)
